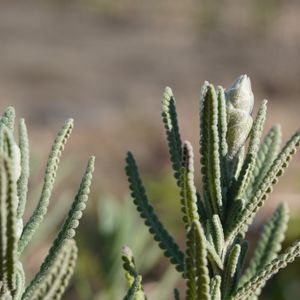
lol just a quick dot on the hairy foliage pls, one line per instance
(57, 269)
(237, 177)
(134, 280)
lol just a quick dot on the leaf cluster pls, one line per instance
(52, 279)
(238, 170)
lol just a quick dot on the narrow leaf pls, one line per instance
(133, 291)
(169, 116)
(223, 147)
(25, 171)
(57, 277)
(202, 273)
(164, 239)
(67, 231)
(281, 162)
(8, 241)
(8, 118)
(269, 243)
(229, 279)
(188, 190)
(209, 150)
(265, 157)
(254, 286)
(248, 166)
(50, 174)
(215, 288)
(217, 234)
(134, 280)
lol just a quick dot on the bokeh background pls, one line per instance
(106, 63)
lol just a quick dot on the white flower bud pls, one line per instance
(239, 101)
(239, 95)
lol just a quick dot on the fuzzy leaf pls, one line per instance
(8, 118)
(190, 268)
(231, 269)
(164, 239)
(281, 162)
(214, 258)
(269, 243)
(248, 166)
(188, 190)
(254, 286)
(209, 150)
(169, 116)
(223, 147)
(50, 174)
(8, 241)
(71, 223)
(57, 277)
(134, 280)
(217, 234)
(222, 122)
(25, 171)
(265, 157)
(215, 288)
(202, 273)
(133, 292)
(197, 273)
(129, 265)
(20, 282)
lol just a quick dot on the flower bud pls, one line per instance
(239, 95)
(239, 101)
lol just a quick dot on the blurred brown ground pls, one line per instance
(106, 63)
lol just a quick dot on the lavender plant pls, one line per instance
(56, 270)
(238, 173)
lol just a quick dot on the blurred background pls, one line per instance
(106, 63)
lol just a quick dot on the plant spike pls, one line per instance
(164, 239)
(209, 150)
(236, 183)
(169, 116)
